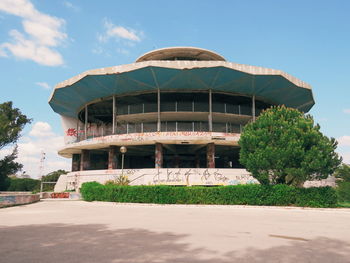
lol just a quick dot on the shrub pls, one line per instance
(343, 191)
(23, 184)
(280, 195)
(316, 197)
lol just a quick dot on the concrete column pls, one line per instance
(86, 121)
(112, 157)
(197, 160)
(113, 113)
(85, 160)
(158, 110)
(211, 155)
(253, 107)
(159, 155)
(75, 162)
(177, 161)
(210, 116)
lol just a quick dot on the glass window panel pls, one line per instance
(246, 110)
(167, 106)
(218, 107)
(235, 128)
(184, 106)
(201, 126)
(131, 128)
(184, 126)
(170, 126)
(121, 128)
(122, 109)
(151, 107)
(201, 106)
(231, 108)
(150, 127)
(136, 108)
(219, 127)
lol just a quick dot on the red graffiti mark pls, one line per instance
(60, 195)
(71, 132)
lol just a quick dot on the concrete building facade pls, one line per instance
(178, 111)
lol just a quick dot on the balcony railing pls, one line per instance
(186, 106)
(166, 126)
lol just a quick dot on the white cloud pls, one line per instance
(347, 111)
(122, 32)
(344, 140)
(41, 129)
(43, 85)
(123, 51)
(119, 32)
(346, 157)
(43, 32)
(40, 139)
(71, 6)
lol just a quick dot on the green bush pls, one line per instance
(317, 197)
(23, 184)
(277, 195)
(343, 191)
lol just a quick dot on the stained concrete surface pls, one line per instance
(77, 231)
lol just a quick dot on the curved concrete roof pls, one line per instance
(181, 52)
(270, 85)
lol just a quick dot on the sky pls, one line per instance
(43, 43)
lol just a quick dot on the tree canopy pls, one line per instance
(343, 173)
(284, 146)
(12, 121)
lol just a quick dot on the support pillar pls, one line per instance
(210, 116)
(253, 107)
(85, 160)
(197, 160)
(211, 155)
(113, 113)
(86, 121)
(159, 155)
(112, 157)
(158, 111)
(75, 162)
(177, 161)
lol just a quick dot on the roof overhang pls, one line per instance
(270, 85)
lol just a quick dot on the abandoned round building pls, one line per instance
(178, 111)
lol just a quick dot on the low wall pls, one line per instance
(17, 198)
(171, 176)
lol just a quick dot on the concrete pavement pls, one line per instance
(77, 231)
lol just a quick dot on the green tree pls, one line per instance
(343, 173)
(284, 146)
(12, 121)
(52, 177)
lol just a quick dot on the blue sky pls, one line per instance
(45, 42)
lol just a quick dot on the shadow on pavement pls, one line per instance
(95, 243)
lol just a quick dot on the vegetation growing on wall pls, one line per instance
(284, 146)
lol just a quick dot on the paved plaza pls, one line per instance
(77, 231)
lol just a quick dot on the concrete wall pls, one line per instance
(17, 198)
(173, 176)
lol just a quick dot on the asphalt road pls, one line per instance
(77, 231)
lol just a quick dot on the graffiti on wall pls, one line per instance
(191, 176)
(78, 135)
(166, 176)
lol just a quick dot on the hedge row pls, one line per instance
(278, 195)
(343, 191)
